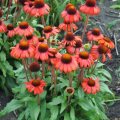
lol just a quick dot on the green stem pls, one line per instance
(70, 79)
(38, 99)
(43, 69)
(94, 66)
(80, 76)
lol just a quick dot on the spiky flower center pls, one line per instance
(29, 37)
(43, 47)
(68, 5)
(34, 67)
(96, 31)
(47, 29)
(41, 39)
(30, 4)
(24, 45)
(22, 1)
(84, 55)
(69, 36)
(91, 82)
(90, 3)
(39, 3)
(36, 83)
(70, 90)
(78, 44)
(66, 58)
(10, 27)
(71, 10)
(23, 25)
(66, 22)
(102, 49)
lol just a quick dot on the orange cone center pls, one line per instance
(91, 83)
(84, 55)
(47, 29)
(10, 27)
(41, 39)
(71, 10)
(66, 58)
(69, 36)
(39, 3)
(36, 83)
(90, 3)
(23, 25)
(102, 49)
(96, 32)
(43, 47)
(23, 45)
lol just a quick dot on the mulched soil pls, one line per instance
(113, 65)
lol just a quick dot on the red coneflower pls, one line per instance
(10, 30)
(39, 8)
(70, 14)
(34, 67)
(106, 42)
(36, 86)
(3, 27)
(28, 7)
(53, 55)
(66, 63)
(70, 39)
(90, 86)
(74, 49)
(24, 29)
(85, 59)
(96, 51)
(41, 52)
(23, 50)
(67, 26)
(42, 40)
(94, 35)
(90, 8)
(48, 31)
(32, 39)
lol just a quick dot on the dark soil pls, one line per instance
(113, 66)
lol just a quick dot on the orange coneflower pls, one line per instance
(36, 86)
(66, 63)
(10, 30)
(71, 14)
(67, 26)
(90, 86)
(106, 42)
(24, 29)
(3, 27)
(23, 50)
(40, 8)
(102, 50)
(90, 8)
(48, 31)
(70, 39)
(94, 35)
(41, 52)
(85, 59)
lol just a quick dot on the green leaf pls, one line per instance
(54, 112)
(21, 116)
(72, 113)
(34, 110)
(104, 88)
(63, 107)
(56, 100)
(2, 56)
(115, 6)
(43, 109)
(13, 105)
(66, 116)
(80, 93)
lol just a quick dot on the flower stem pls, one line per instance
(43, 69)
(54, 79)
(43, 20)
(85, 26)
(38, 99)
(70, 79)
(80, 76)
(23, 61)
(94, 66)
